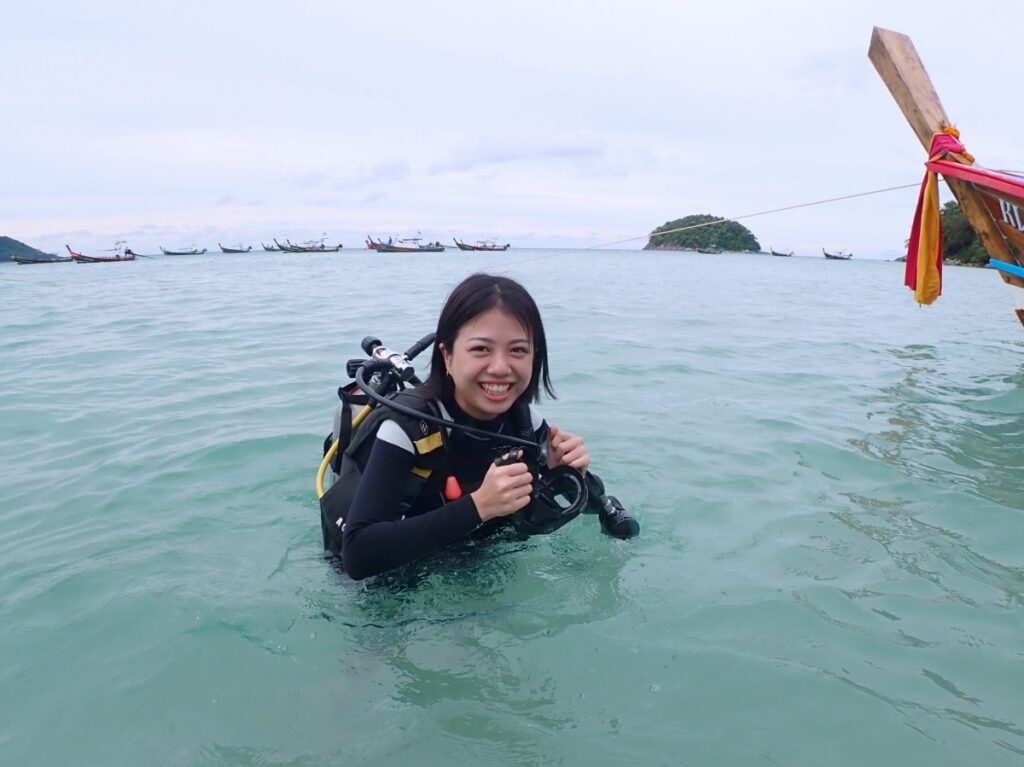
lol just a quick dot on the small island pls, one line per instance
(700, 232)
(9, 248)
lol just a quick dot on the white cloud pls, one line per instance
(556, 122)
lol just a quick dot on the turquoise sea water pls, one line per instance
(830, 482)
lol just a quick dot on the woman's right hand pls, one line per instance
(505, 490)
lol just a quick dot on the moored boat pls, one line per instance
(312, 246)
(121, 253)
(49, 259)
(407, 245)
(270, 248)
(992, 201)
(777, 253)
(709, 250)
(183, 251)
(839, 255)
(480, 245)
(239, 249)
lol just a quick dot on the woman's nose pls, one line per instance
(498, 364)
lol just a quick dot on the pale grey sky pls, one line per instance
(557, 123)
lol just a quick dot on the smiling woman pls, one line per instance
(489, 363)
(405, 489)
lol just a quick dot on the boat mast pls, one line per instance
(900, 68)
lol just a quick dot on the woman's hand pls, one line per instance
(567, 449)
(505, 490)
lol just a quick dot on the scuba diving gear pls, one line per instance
(615, 520)
(347, 447)
(383, 364)
(559, 494)
(425, 477)
(379, 390)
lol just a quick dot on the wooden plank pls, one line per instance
(900, 68)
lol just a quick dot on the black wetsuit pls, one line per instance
(383, 529)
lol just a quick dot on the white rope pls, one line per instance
(651, 235)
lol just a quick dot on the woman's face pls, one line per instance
(490, 363)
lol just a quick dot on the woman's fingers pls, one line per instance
(513, 484)
(568, 449)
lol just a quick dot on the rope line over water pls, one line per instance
(651, 235)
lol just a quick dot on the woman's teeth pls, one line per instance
(496, 389)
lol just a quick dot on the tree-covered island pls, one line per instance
(9, 248)
(700, 231)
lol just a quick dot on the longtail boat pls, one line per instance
(709, 250)
(407, 245)
(120, 254)
(313, 246)
(992, 201)
(370, 244)
(48, 259)
(777, 253)
(480, 245)
(270, 248)
(183, 251)
(239, 249)
(839, 255)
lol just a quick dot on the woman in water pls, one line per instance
(419, 490)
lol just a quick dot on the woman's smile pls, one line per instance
(490, 363)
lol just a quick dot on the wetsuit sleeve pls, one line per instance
(537, 421)
(376, 537)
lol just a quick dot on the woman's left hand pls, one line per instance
(567, 449)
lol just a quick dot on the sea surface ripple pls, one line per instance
(830, 482)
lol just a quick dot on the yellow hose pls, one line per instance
(334, 451)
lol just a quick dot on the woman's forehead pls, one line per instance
(495, 324)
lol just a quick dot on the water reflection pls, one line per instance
(464, 637)
(927, 551)
(965, 433)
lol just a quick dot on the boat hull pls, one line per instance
(81, 258)
(480, 246)
(192, 252)
(385, 248)
(1002, 200)
(56, 260)
(288, 247)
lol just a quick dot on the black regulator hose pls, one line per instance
(386, 366)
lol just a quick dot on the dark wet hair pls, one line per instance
(473, 296)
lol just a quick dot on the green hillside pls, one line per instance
(727, 235)
(10, 248)
(960, 243)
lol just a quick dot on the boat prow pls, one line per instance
(992, 202)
